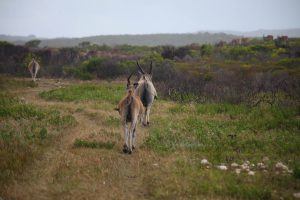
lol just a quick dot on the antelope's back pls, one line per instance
(33, 65)
(146, 92)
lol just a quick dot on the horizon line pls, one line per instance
(229, 32)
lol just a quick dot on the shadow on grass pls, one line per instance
(94, 144)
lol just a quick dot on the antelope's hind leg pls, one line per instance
(125, 146)
(35, 73)
(31, 74)
(132, 134)
(130, 139)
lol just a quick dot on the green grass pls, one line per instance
(24, 132)
(112, 121)
(225, 133)
(222, 130)
(11, 83)
(12, 107)
(186, 177)
(93, 144)
(104, 91)
(179, 136)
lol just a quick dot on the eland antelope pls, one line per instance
(130, 109)
(145, 89)
(33, 68)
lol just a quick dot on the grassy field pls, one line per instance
(25, 130)
(64, 141)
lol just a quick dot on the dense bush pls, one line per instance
(11, 58)
(225, 85)
(77, 72)
(103, 68)
(100, 68)
(239, 52)
(33, 43)
(108, 68)
(14, 59)
(253, 73)
(182, 52)
(168, 52)
(206, 50)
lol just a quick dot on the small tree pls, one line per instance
(84, 44)
(206, 50)
(155, 57)
(168, 52)
(33, 43)
(181, 52)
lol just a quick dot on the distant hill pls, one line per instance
(153, 39)
(146, 39)
(17, 39)
(295, 33)
(140, 40)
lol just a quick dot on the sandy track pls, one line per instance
(65, 172)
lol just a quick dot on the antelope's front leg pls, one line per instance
(145, 117)
(148, 115)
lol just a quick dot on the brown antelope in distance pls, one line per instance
(130, 109)
(33, 68)
(145, 89)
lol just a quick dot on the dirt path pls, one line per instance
(65, 172)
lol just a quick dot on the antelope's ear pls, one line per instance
(117, 109)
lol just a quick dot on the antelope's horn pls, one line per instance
(141, 69)
(150, 68)
(128, 79)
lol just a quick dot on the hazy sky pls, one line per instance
(76, 18)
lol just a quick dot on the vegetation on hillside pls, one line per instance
(254, 72)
